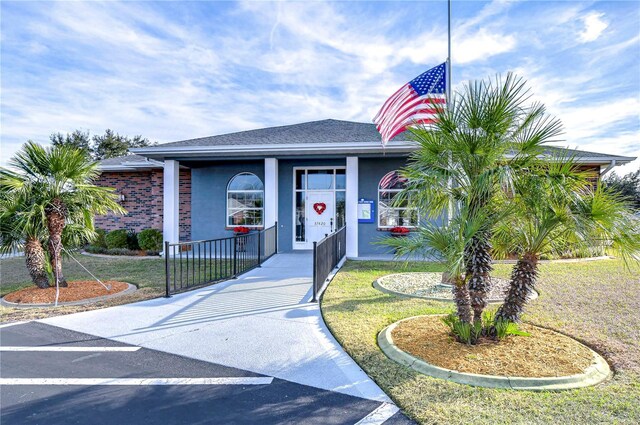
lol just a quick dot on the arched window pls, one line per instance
(389, 213)
(245, 201)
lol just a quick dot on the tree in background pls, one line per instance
(57, 183)
(78, 139)
(627, 186)
(111, 144)
(108, 145)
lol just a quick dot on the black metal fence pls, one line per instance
(193, 264)
(327, 253)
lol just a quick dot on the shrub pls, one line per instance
(100, 240)
(132, 241)
(150, 239)
(116, 239)
(119, 251)
(470, 333)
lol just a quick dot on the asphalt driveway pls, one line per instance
(51, 375)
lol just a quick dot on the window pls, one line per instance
(245, 201)
(390, 214)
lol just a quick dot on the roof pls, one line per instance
(128, 163)
(335, 137)
(324, 131)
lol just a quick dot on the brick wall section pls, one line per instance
(143, 201)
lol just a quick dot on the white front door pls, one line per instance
(320, 215)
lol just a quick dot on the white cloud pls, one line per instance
(139, 69)
(594, 26)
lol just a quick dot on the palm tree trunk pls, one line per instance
(461, 298)
(56, 216)
(35, 259)
(523, 280)
(478, 266)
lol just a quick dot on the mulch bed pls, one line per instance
(76, 291)
(543, 354)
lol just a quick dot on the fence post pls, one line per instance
(259, 245)
(235, 256)
(315, 272)
(166, 269)
(276, 242)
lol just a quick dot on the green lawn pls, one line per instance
(147, 274)
(596, 302)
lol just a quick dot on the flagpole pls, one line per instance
(448, 95)
(448, 80)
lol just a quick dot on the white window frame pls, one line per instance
(228, 212)
(394, 208)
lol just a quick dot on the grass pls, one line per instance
(595, 302)
(147, 274)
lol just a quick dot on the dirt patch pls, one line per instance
(76, 291)
(543, 354)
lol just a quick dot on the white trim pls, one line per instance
(171, 201)
(351, 207)
(226, 219)
(136, 381)
(270, 192)
(70, 349)
(344, 148)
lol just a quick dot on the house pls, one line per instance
(311, 178)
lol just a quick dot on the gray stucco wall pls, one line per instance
(209, 196)
(285, 195)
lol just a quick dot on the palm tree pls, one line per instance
(18, 233)
(444, 243)
(556, 212)
(471, 158)
(59, 182)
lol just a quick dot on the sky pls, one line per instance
(178, 70)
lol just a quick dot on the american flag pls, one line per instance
(415, 103)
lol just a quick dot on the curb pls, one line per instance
(130, 289)
(381, 288)
(596, 373)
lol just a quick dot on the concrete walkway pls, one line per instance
(261, 322)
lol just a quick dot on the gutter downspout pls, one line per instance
(609, 167)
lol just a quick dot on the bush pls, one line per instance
(132, 241)
(470, 333)
(119, 251)
(150, 239)
(116, 239)
(100, 240)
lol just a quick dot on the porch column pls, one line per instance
(270, 192)
(171, 205)
(351, 207)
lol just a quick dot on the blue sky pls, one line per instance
(178, 70)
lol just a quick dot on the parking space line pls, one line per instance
(379, 415)
(137, 381)
(68, 348)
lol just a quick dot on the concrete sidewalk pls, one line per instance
(261, 322)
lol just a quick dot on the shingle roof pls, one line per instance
(324, 131)
(329, 134)
(120, 159)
